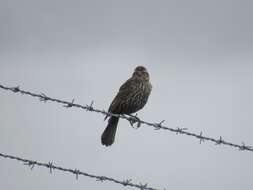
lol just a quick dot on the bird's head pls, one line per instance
(141, 72)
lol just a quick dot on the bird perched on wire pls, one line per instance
(132, 96)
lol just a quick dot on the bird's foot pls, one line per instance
(134, 119)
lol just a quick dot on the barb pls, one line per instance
(76, 172)
(130, 118)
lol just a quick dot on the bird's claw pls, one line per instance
(134, 119)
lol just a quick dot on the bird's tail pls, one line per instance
(108, 135)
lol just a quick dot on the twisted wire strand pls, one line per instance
(76, 172)
(132, 119)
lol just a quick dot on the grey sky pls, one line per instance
(199, 55)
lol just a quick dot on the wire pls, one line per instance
(76, 172)
(132, 119)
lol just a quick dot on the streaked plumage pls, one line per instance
(132, 96)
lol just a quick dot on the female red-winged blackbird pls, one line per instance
(132, 96)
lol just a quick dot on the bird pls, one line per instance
(131, 97)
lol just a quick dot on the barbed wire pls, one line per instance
(32, 163)
(132, 119)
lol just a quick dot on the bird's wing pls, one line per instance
(121, 96)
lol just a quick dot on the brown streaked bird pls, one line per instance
(132, 97)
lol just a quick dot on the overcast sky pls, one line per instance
(199, 55)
